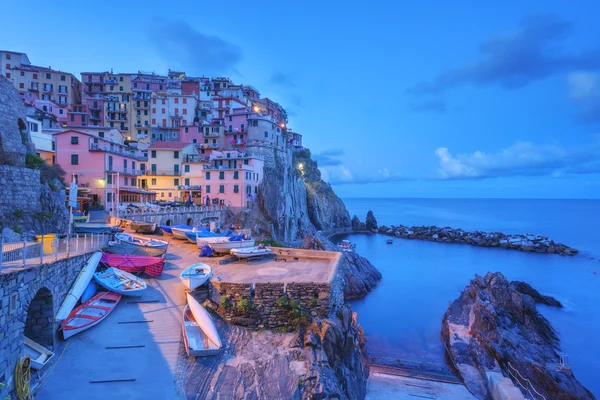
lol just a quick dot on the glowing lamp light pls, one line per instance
(256, 109)
(282, 125)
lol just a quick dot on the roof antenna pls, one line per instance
(111, 70)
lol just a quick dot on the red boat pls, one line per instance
(90, 313)
(152, 266)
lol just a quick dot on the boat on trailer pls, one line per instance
(121, 282)
(89, 313)
(195, 275)
(251, 252)
(200, 334)
(38, 354)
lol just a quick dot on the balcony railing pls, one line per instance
(47, 88)
(116, 150)
(95, 118)
(94, 108)
(110, 81)
(211, 134)
(236, 132)
(213, 145)
(163, 172)
(193, 158)
(126, 171)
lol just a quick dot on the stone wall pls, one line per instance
(12, 122)
(30, 298)
(177, 218)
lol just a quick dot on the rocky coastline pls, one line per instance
(523, 242)
(494, 334)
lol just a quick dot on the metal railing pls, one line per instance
(527, 385)
(40, 249)
(170, 210)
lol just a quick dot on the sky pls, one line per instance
(393, 98)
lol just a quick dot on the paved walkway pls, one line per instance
(152, 368)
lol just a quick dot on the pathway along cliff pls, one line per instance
(494, 329)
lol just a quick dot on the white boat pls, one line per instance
(195, 275)
(121, 282)
(38, 354)
(126, 238)
(226, 246)
(248, 252)
(90, 313)
(202, 241)
(96, 227)
(346, 245)
(200, 334)
(81, 283)
(179, 233)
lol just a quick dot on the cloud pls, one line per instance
(337, 174)
(435, 106)
(281, 79)
(178, 43)
(584, 90)
(328, 158)
(516, 58)
(520, 159)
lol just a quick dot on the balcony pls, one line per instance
(163, 172)
(194, 158)
(236, 132)
(176, 116)
(94, 108)
(63, 91)
(213, 145)
(211, 134)
(95, 118)
(115, 118)
(34, 86)
(126, 171)
(47, 88)
(110, 81)
(116, 150)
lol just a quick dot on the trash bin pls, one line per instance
(49, 242)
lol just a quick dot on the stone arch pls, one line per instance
(39, 325)
(169, 222)
(190, 222)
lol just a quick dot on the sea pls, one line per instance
(402, 316)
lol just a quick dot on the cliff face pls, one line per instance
(323, 361)
(494, 329)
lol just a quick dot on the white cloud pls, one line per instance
(583, 85)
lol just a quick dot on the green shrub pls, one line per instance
(225, 302)
(49, 173)
(283, 301)
(34, 161)
(18, 212)
(270, 242)
(313, 302)
(243, 306)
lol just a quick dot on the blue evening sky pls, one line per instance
(394, 98)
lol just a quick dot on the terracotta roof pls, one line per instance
(168, 145)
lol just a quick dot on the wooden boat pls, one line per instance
(200, 334)
(226, 246)
(79, 286)
(38, 354)
(195, 275)
(206, 235)
(126, 249)
(89, 313)
(249, 252)
(95, 227)
(202, 240)
(120, 282)
(179, 233)
(168, 228)
(152, 266)
(140, 241)
(143, 227)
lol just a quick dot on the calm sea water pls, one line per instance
(402, 316)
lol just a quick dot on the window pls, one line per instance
(74, 159)
(221, 175)
(120, 88)
(187, 181)
(184, 111)
(101, 134)
(35, 76)
(230, 118)
(21, 86)
(176, 111)
(133, 182)
(109, 196)
(63, 78)
(74, 140)
(135, 85)
(162, 110)
(153, 153)
(207, 188)
(176, 154)
(120, 79)
(246, 161)
(221, 188)
(176, 182)
(195, 141)
(235, 174)
(153, 181)
(22, 73)
(109, 179)
(8, 74)
(186, 168)
(160, 87)
(186, 130)
(236, 189)
(48, 76)
(153, 110)
(125, 164)
(266, 134)
(163, 102)
(176, 100)
(8, 56)
(153, 121)
(112, 87)
(255, 189)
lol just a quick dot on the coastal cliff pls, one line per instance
(494, 331)
(321, 361)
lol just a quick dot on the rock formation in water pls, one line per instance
(371, 222)
(321, 361)
(523, 242)
(494, 329)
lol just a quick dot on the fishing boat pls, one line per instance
(95, 227)
(121, 282)
(79, 217)
(195, 275)
(167, 228)
(38, 354)
(205, 240)
(200, 334)
(152, 266)
(131, 242)
(206, 234)
(89, 313)
(249, 252)
(346, 245)
(79, 286)
(226, 246)
(179, 233)
(143, 227)
(389, 241)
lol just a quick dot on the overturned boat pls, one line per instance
(200, 334)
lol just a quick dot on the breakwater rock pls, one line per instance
(494, 332)
(321, 361)
(523, 242)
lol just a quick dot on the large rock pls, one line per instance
(361, 276)
(492, 328)
(323, 361)
(525, 288)
(371, 222)
(357, 225)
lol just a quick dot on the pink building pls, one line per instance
(103, 164)
(78, 116)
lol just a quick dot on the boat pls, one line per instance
(80, 218)
(95, 227)
(79, 286)
(195, 275)
(89, 292)
(167, 228)
(38, 354)
(129, 243)
(200, 334)
(389, 241)
(179, 233)
(89, 313)
(206, 234)
(152, 266)
(249, 252)
(204, 240)
(346, 245)
(226, 246)
(121, 282)
(126, 249)
(143, 227)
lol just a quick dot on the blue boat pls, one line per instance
(167, 228)
(121, 282)
(193, 236)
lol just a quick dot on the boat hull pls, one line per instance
(90, 313)
(180, 233)
(200, 334)
(249, 252)
(93, 227)
(79, 286)
(225, 247)
(192, 281)
(38, 354)
(119, 248)
(114, 280)
(152, 266)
